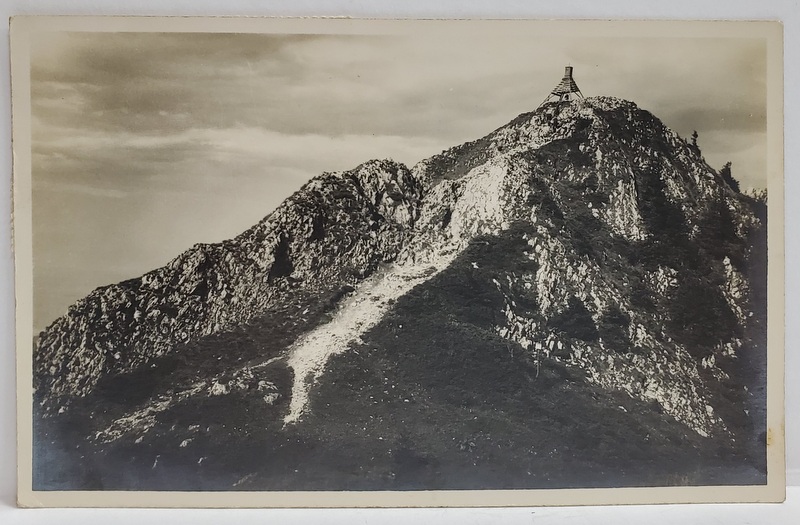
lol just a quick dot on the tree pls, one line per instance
(759, 195)
(695, 147)
(725, 173)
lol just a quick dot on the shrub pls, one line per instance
(575, 321)
(613, 328)
(699, 315)
(725, 173)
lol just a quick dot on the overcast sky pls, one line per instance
(145, 144)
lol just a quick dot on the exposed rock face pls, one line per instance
(330, 234)
(626, 262)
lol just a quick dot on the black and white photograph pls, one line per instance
(329, 258)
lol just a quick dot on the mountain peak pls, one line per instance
(582, 254)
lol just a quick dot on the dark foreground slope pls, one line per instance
(576, 299)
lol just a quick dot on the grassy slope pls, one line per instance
(431, 399)
(434, 399)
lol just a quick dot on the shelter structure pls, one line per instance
(565, 91)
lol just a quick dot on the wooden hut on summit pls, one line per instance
(566, 90)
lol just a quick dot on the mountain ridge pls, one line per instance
(627, 263)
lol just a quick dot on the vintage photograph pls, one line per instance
(364, 256)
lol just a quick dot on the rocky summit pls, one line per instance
(576, 299)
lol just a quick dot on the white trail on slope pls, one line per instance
(479, 209)
(359, 313)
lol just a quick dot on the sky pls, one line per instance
(144, 144)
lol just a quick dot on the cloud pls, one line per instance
(85, 189)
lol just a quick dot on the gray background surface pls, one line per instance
(787, 11)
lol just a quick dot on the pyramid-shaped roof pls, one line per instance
(567, 89)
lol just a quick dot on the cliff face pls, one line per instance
(584, 241)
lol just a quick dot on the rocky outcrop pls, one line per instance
(330, 234)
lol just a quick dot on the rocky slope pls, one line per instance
(583, 256)
(323, 239)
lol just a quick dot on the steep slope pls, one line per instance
(619, 211)
(578, 272)
(323, 239)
